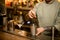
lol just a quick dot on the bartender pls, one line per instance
(47, 13)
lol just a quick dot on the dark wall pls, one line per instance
(2, 1)
(2, 10)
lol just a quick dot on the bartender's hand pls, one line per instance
(32, 14)
(39, 30)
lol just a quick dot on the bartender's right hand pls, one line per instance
(32, 14)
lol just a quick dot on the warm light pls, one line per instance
(38, 0)
(7, 2)
(58, 0)
(24, 0)
(20, 1)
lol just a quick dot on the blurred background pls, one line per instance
(14, 21)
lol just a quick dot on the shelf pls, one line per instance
(20, 9)
(24, 9)
(9, 7)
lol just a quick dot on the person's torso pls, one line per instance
(47, 14)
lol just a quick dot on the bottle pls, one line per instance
(33, 30)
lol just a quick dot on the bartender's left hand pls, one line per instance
(39, 30)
